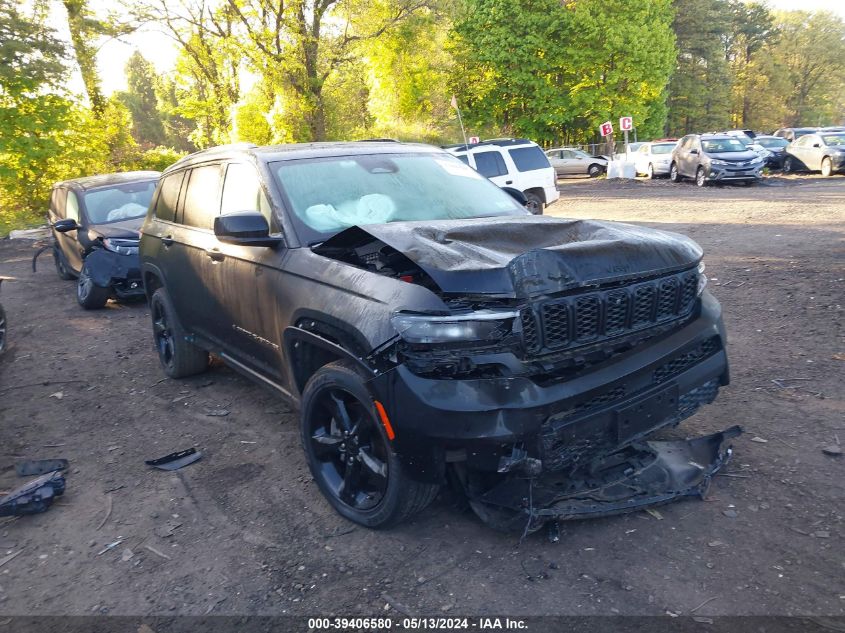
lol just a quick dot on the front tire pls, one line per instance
(535, 203)
(827, 167)
(178, 357)
(674, 174)
(700, 177)
(88, 294)
(594, 170)
(350, 455)
(788, 165)
(650, 171)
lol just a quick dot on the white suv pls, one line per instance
(513, 162)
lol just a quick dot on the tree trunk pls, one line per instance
(81, 37)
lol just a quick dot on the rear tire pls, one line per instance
(178, 357)
(535, 203)
(700, 177)
(827, 167)
(61, 269)
(88, 294)
(349, 454)
(674, 174)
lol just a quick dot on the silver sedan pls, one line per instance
(569, 161)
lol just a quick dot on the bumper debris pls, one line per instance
(641, 475)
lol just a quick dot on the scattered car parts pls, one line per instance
(176, 460)
(33, 497)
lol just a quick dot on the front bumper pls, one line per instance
(489, 422)
(121, 273)
(723, 173)
(838, 161)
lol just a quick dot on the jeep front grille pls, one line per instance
(554, 325)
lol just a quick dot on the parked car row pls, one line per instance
(740, 155)
(427, 326)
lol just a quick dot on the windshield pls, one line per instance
(662, 148)
(834, 139)
(119, 202)
(334, 193)
(772, 142)
(722, 145)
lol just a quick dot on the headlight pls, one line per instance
(757, 161)
(123, 247)
(702, 279)
(716, 161)
(478, 327)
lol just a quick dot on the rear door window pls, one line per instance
(202, 199)
(168, 196)
(529, 158)
(490, 164)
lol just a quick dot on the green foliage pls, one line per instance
(552, 70)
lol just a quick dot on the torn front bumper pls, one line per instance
(643, 474)
(121, 273)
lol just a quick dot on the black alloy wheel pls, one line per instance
(350, 453)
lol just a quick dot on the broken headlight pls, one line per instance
(122, 247)
(483, 326)
(702, 279)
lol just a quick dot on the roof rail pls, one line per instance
(378, 140)
(500, 142)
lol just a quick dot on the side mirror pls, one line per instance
(63, 226)
(244, 228)
(517, 195)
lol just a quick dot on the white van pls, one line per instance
(513, 162)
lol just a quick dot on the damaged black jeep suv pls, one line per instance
(432, 330)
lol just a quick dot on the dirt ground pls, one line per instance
(245, 531)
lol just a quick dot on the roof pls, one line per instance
(271, 153)
(101, 180)
(497, 142)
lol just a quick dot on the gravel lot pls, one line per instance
(245, 531)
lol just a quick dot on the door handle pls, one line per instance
(509, 182)
(167, 240)
(215, 255)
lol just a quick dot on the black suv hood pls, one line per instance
(520, 256)
(126, 229)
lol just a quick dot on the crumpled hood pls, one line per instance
(520, 256)
(127, 229)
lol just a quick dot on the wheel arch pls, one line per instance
(313, 343)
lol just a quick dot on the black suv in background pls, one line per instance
(714, 158)
(430, 329)
(95, 222)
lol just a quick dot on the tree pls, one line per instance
(700, 88)
(552, 70)
(751, 28)
(810, 55)
(142, 102)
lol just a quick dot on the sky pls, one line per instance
(159, 49)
